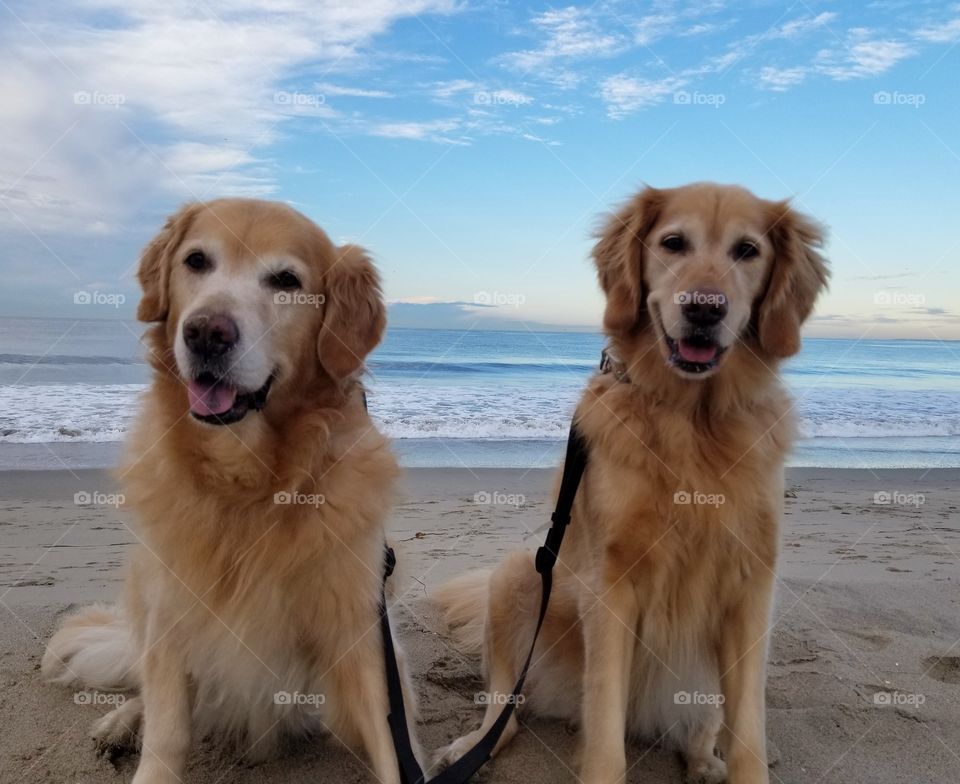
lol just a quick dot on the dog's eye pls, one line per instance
(284, 279)
(675, 243)
(197, 261)
(745, 250)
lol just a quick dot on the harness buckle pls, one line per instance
(545, 559)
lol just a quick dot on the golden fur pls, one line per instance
(656, 598)
(231, 597)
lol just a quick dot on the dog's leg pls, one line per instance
(703, 766)
(514, 597)
(362, 706)
(610, 638)
(743, 655)
(500, 682)
(166, 704)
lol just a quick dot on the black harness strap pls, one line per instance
(464, 768)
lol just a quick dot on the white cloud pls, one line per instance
(569, 33)
(430, 129)
(781, 79)
(453, 87)
(205, 75)
(862, 59)
(335, 90)
(652, 28)
(798, 27)
(625, 94)
(942, 34)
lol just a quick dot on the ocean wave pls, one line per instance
(64, 359)
(496, 409)
(441, 367)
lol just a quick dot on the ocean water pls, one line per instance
(68, 390)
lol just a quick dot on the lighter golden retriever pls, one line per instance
(260, 490)
(659, 620)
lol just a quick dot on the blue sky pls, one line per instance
(472, 146)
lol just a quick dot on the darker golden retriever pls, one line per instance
(662, 599)
(260, 489)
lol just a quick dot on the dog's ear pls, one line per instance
(798, 275)
(618, 255)
(154, 270)
(354, 313)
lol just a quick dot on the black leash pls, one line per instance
(464, 768)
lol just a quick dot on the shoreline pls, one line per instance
(869, 453)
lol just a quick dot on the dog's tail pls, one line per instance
(463, 603)
(94, 648)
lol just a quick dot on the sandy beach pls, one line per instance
(864, 676)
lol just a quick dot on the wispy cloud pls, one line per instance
(800, 27)
(436, 130)
(624, 94)
(861, 59)
(569, 33)
(336, 90)
(941, 34)
(781, 79)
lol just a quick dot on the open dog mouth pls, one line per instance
(696, 353)
(217, 402)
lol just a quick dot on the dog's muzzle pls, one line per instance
(699, 350)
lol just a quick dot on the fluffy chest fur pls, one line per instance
(269, 562)
(682, 502)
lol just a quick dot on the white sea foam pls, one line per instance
(101, 413)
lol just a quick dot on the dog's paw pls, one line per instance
(443, 758)
(706, 770)
(116, 733)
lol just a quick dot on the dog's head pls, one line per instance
(254, 301)
(705, 267)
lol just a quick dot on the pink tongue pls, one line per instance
(699, 354)
(210, 397)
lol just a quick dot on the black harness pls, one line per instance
(464, 768)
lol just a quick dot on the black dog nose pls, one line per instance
(210, 334)
(704, 307)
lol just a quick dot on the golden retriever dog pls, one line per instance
(659, 619)
(260, 489)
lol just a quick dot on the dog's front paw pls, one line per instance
(706, 770)
(116, 733)
(443, 758)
